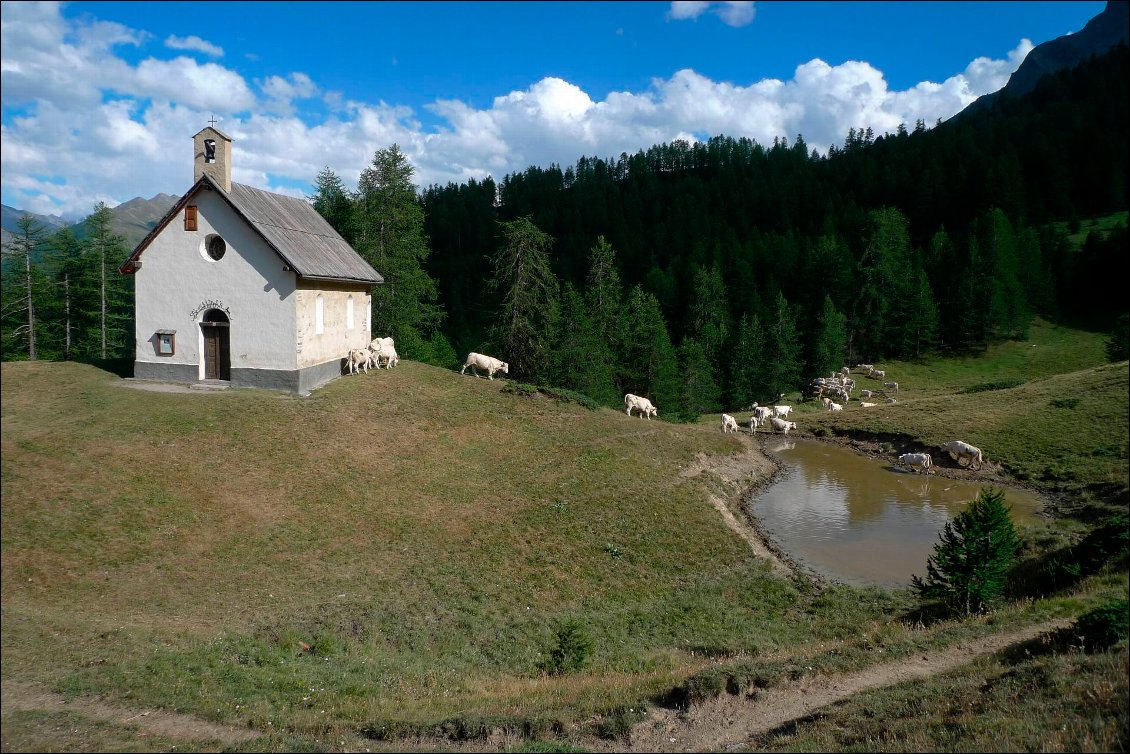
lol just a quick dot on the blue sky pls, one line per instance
(100, 99)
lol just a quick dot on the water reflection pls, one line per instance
(862, 521)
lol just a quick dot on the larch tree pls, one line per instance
(19, 294)
(108, 252)
(528, 297)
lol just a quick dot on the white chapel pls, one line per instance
(246, 286)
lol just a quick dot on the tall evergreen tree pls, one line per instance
(19, 307)
(528, 290)
(650, 369)
(699, 393)
(710, 312)
(108, 251)
(332, 201)
(389, 227)
(783, 350)
(830, 340)
(583, 360)
(749, 380)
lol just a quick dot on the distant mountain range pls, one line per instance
(1106, 30)
(132, 219)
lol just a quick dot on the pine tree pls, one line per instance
(968, 567)
(389, 227)
(528, 292)
(749, 362)
(605, 299)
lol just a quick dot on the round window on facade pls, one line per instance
(215, 247)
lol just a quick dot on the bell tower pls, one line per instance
(212, 156)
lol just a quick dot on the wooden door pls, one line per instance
(211, 352)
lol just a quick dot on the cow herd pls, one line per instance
(839, 385)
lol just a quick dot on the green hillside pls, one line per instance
(395, 554)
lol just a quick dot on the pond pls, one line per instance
(862, 521)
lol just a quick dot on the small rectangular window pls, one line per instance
(190, 217)
(166, 342)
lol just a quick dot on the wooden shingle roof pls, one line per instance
(290, 226)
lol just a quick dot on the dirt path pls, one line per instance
(729, 722)
(26, 697)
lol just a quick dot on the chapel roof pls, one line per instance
(290, 226)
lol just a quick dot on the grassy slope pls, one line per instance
(423, 533)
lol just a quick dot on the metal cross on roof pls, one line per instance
(212, 121)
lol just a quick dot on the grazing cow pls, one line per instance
(917, 461)
(358, 359)
(835, 407)
(963, 451)
(865, 404)
(489, 363)
(826, 401)
(379, 343)
(781, 425)
(729, 424)
(763, 413)
(865, 393)
(891, 386)
(782, 411)
(643, 404)
(388, 355)
(754, 423)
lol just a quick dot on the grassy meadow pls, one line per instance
(395, 553)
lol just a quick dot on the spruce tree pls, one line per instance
(699, 393)
(830, 340)
(528, 298)
(106, 251)
(583, 361)
(332, 201)
(650, 369)
(969, 565)
(389, 227)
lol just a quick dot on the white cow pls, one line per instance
(358, 359)
(489, 363)
(917, 461)
(826, 401)
(729, 424)
(781, 425)
(379, 343)
(963, 451)
(643, 404)
(763, 414)
(865, 404)
(835, 407)
(754, 423)
(891, 401)
(782, 411)
(387, 355)
(891, 386)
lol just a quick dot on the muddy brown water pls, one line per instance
(862, 521)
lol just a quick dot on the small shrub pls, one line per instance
(969, 565)
(997, 385)
(521, 388)
(572, 651)
(613, 550)
(1104, 626)
(1067, 403)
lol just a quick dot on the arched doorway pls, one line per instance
(217, 344)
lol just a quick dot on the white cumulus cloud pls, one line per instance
(82, 124)
(732, 12)
(194, 43)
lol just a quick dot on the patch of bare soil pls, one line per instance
(739, 474)
(732, 721)
(25, 697)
